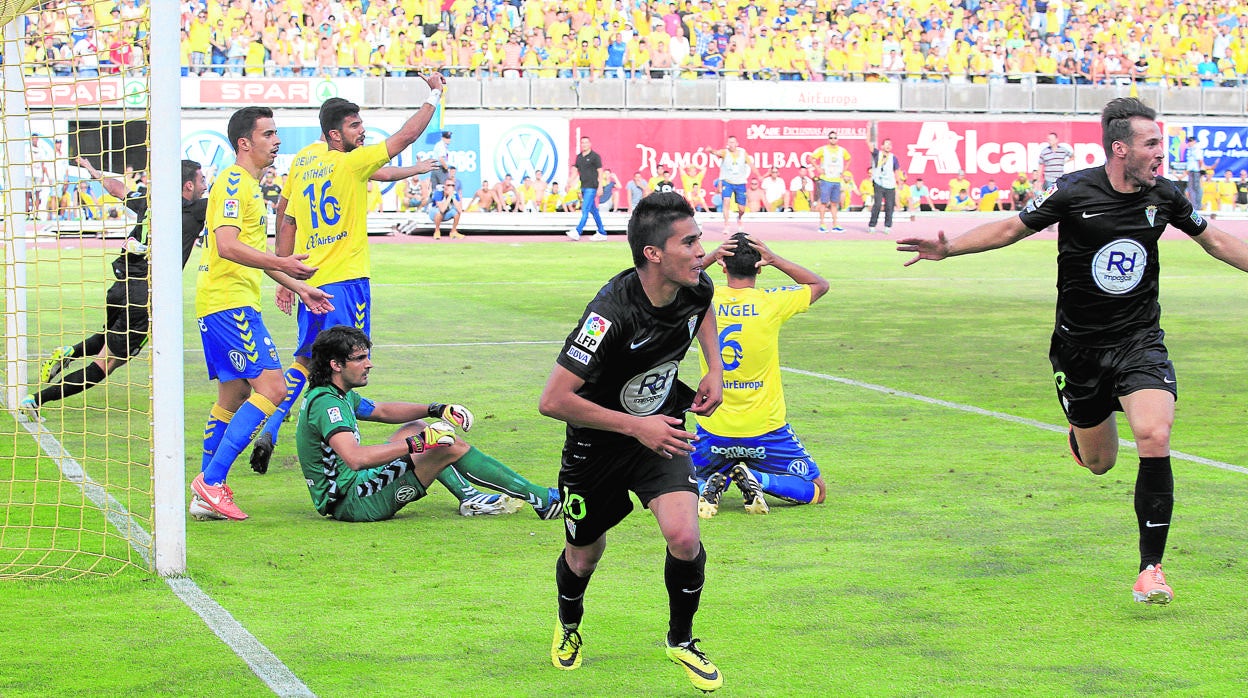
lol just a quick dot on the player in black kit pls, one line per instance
(1107, 348)
(615, 384)
(127, 316)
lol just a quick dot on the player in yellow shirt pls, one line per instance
(238, 351)
(323, 213)
(831, 159)
(748, 440)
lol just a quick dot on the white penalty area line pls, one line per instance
(995, 415)
(276, 675)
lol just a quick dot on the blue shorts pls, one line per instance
(829, 192)
(236, 344)
(779, 452)
(353, 306)
(734, 191)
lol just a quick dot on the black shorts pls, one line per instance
(126, 319)
(595, 484)
(1090, 380)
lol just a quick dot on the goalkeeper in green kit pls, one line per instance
(352, 482)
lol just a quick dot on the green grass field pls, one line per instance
(957, 554)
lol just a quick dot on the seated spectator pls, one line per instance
(1020, 192)
(755, 197)
(1227, 191)
(920, 195)
(803, 195)
(508, 197)
(960, 201)
(775, 191)
(637, 189)
(608, 190)
(445, 204)
(485, 199)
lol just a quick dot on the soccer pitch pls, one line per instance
(960, 550)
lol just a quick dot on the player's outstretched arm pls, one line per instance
(413, 439)
(414, 126)
(391, 173)
(112, 185)
(711, 388)
(662, 434)
(1224, 246)
(981, 238)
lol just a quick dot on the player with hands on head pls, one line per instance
(616, 385)
(349, 481)
(748, 440)
(1107, 349)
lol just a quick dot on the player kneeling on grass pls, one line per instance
(352, 482)
(748, 440)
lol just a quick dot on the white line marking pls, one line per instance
(276, 675)
(996, 415)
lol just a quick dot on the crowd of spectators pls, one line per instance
(1204, 42)
(85, 38)
(1048, 41)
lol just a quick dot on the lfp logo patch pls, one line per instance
(592, 332)
(231, 208)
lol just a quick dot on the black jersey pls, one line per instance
(628, 352)
(133, 266)
(1107, 267)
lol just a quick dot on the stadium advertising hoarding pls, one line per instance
(522, 147)
(804, 95)
(1223, 147)
(267, 92)
(62, 93)
(934, 150)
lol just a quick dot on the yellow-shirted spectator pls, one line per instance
(855, 61)
(435, 56)
(1226, 192)
(372, 201)
(253, 63)
(557, 31)
(835, 59)
(1209, 195)
(915, 62)
(866, 191)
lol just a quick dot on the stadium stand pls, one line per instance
(1157, 42)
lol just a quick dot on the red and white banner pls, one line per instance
(46, 93)
(268, 92)
(932, 150)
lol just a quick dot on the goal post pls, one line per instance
(92, 482)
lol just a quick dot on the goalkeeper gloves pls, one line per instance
(455, 414)
(134, 246)
(432, 436)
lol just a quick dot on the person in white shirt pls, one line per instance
(775, 192)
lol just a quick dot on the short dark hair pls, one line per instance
(651, 222)
(744, 259)
(189, 168)
(243, 123)
(1116, 120)
(334, 111)
(334, 344)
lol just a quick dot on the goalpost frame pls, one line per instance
(168, 419)
(13, 235)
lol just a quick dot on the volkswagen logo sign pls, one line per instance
(523, 151)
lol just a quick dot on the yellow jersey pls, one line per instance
(749, 321)
(234, 200)
(832, 161)
(327, 195)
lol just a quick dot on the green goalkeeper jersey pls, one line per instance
(326, 411)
